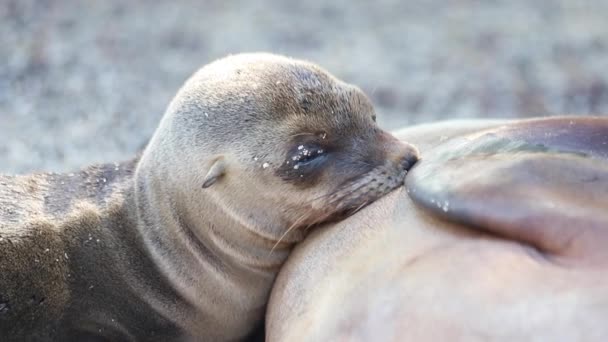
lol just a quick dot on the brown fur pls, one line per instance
(185, 242)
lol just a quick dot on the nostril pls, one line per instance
(409, 160)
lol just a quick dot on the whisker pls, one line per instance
(287, 232)
(321, 219)
(322, 196)
(335, 192)
(351, 191)
(359, 207)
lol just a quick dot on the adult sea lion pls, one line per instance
(502, 238)
(184, 243)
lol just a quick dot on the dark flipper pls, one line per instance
(543, 182)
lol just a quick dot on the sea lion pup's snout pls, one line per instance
(280, 143)
(409, 157)
(383, 161)
(402, 155)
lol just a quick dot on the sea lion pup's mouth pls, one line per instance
(358, 192)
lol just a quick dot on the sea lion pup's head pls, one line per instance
(274, 143)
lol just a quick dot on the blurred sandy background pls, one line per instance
(87, 81)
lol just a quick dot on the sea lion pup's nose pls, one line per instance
(409, 158)
(401, 154)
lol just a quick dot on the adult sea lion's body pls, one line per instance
(504, 240)
(185, 242)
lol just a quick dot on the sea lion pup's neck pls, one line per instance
(215, 250)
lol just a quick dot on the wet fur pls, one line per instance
(68, 246)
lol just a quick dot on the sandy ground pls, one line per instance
(87, 81)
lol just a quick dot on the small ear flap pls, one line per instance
(216, 171)
(542, 182)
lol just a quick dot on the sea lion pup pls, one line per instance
(185, 243)
(502, 238)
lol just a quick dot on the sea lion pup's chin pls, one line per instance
(253, 149)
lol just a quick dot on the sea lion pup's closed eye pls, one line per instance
(185, 243)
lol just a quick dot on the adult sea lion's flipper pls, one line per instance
(542, 182)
